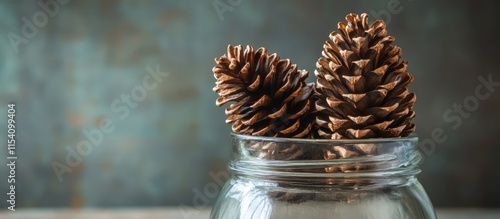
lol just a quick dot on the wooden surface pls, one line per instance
(189, 213)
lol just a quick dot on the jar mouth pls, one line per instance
(412, 137)
(325, 159)
(374, 168)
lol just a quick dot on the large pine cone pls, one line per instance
(271, 97)
(362, 84)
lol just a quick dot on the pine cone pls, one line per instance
(271, 97)
(362, 84)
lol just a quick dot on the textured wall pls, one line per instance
(75, 72)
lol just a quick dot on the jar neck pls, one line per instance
(345, 163)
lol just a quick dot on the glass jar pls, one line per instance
(319, 178)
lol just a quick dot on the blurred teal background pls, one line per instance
(71, 74)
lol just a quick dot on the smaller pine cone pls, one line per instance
(270, 96)
(362, 84)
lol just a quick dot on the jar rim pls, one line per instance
(289, 159)
(411, 137)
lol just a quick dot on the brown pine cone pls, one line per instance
(270, 96)
(362, 84)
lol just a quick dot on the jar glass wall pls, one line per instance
(315, 178)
